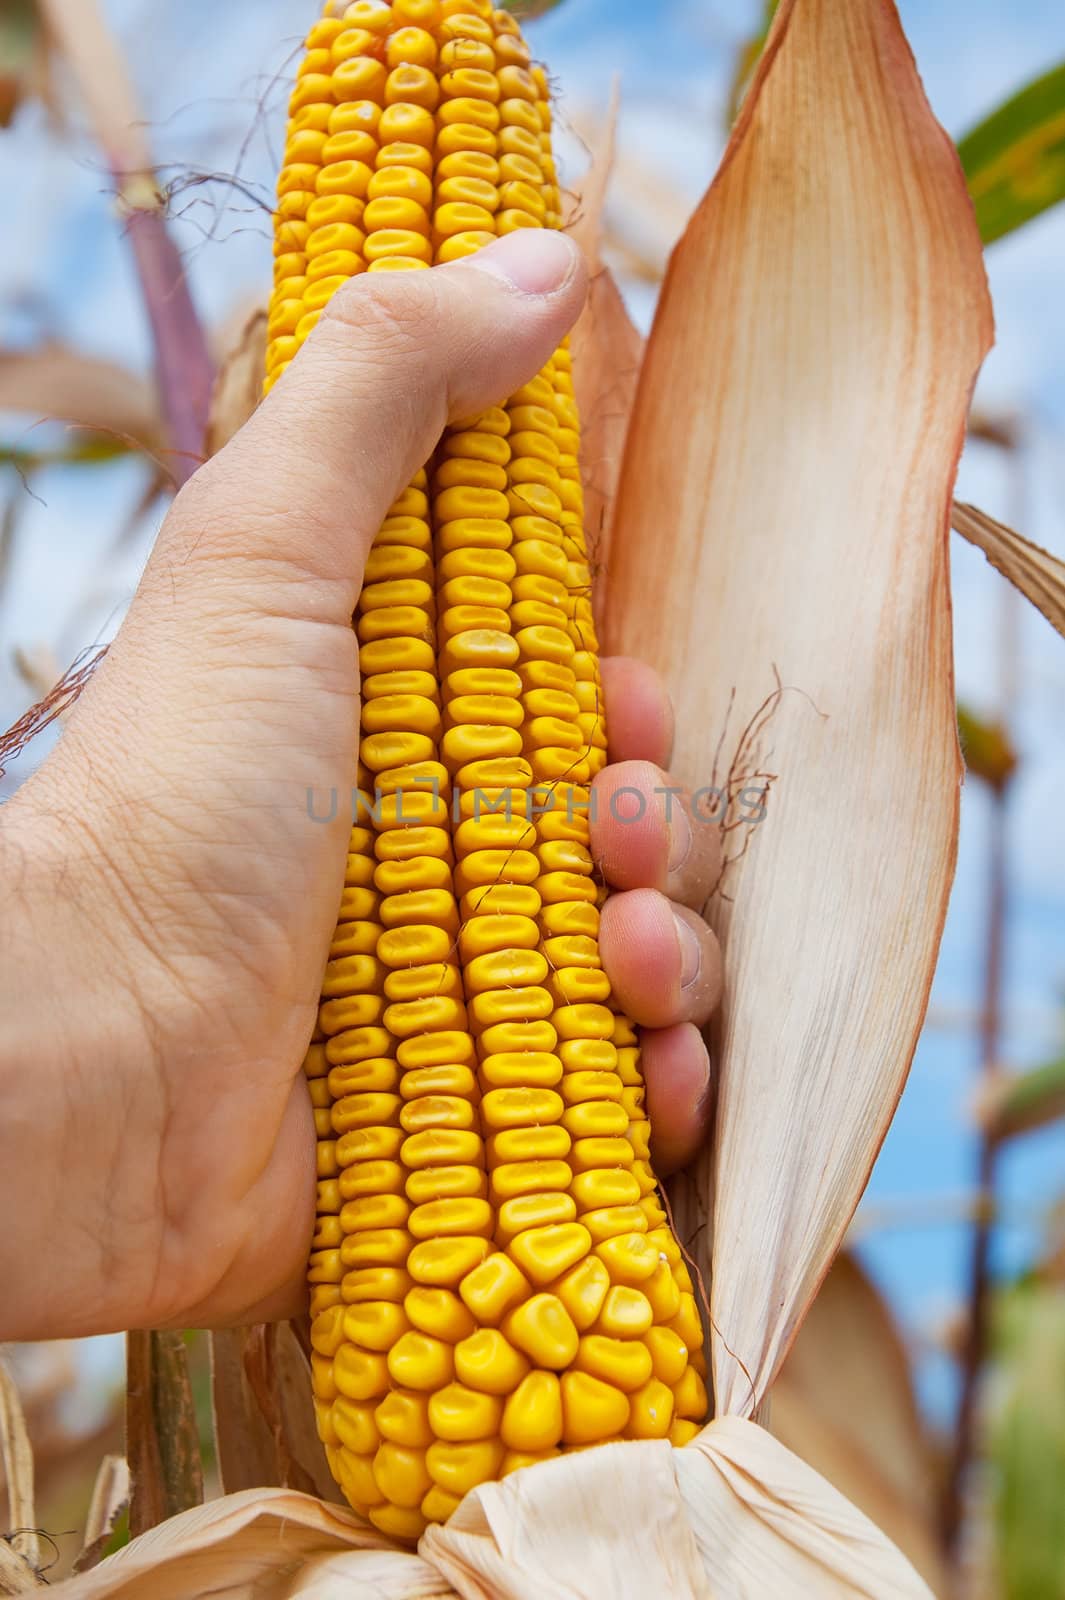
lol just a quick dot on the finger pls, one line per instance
(310, 478)
(639, 712)
(647, 835)
(663, 962)
(676, 1071)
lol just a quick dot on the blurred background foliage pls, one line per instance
(929, 1380)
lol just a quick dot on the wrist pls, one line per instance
(68, 1029)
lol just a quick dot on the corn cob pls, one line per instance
(493, 1276)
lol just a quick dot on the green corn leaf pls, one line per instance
(1015, 159)
(987, 749)
(1020, 1102)
(1027, 1443)
(527, 9)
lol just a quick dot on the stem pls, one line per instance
(974, 1350)
(183, 364)
(979, 1298)
(183, 367)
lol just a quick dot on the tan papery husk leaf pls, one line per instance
(844, 1402)
(607, 354)
(1034, 571)
(780, 554)
(733, 1516)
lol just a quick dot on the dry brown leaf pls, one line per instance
(17, 1455)
(734, 1516)
(54, 382)
(844, 1403)
(785, 502)
(607, 352)
(16, 1574)
(162, 1437)
(239, 385)
(80, 32)
(110, 1496)
(1035, 572)
(265, 1544)
(265, 1433)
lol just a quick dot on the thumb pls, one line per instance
(396, 356)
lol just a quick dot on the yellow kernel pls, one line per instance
(514, 1178)
(682, 1433)
(458, 1468)
(378, 1247)
(663, 1294)
(437, 1112)
(629, 1258)
(437, 1148)
(625, 1363)
(327, 1331)
(375, 1283)
(445, 1262)
(533, 1211)
(355, 1426)
(355, 1475)
(532, 1417)
(613, 1220)
(374, 1325)
(417, 1361)
(373, 15)
(350, 44)
(358, 1374)
(401, 1475)
(403, 1417)
(687, 1322)
(397, 1522)
(583, 1291)
(459, 1414)
(411, 46)
(520, 1108)
(412, 85)
(544, 1330)
(373, 1212)
(594, 1190)
(421, 13)
(651, 1411)
(439, 1313)
(689, 1396)
(592, 1410)
(516, 1460)
(438, 1505)
(494, 1288)
(356, 116)
(397, 242)
(404, 123)
(437, 1183)
(344, 178)
(488, 1362)
(544, 1253)
(359, 78)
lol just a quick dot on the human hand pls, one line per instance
(170, 902)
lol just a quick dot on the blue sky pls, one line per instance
(209, 81)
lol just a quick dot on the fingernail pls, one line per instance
(532, 260)
(691, 956)
(680, 835)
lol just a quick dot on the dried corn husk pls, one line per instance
(734, 1516)
(785, 501)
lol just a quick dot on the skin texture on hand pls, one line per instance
(168, 900)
